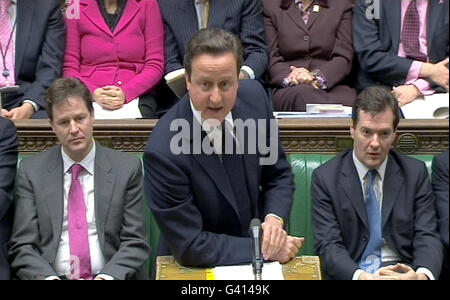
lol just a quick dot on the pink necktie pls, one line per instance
(410, 33)
(7, 45)
(78, 228)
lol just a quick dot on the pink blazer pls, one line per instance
(132, 57)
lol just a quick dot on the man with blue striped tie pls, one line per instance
(374, 214)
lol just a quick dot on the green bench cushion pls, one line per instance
(300, 222)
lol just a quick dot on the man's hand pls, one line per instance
(406, 94)
(289, 250)
(109, 97)
(438, 73)
(274, 236)
(394, 272)
(400, 272)
(19, 113)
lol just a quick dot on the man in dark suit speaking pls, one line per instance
(202, 196)
(32, 39)
(8, 164)
(79, 209)
(374, 213)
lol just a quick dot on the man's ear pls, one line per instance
(352, 131)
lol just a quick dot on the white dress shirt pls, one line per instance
(387, 253)
(214, 134)
(86, 178)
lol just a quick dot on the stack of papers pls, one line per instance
(270, 271)
(428, 107)
(317, 111)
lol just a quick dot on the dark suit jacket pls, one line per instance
(242, 17)
(341, 227)
(119, 214)
(439, 180)
(40, 38)
(8, 162)
(325, 43)
(377, 41)
(191, 197)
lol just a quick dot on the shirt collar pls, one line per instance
(87, 163)
(362, 169)
(198, 116)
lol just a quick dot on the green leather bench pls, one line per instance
(300, 222)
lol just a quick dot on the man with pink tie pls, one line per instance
(403, 45)
(79, 210)
(32, 49)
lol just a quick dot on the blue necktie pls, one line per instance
(371, 257)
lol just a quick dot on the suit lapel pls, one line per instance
(393, 10)
(104, 180)
(210, 163)
(25, 11)
(131, 9)
(295, 16)
(393, 181)
(54, 196)
(94, 14)
(352, 188)
(217, 13)
(250, 161)
(435, 10)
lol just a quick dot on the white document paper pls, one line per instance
(128, 111)
(270, 271)
(428, 107)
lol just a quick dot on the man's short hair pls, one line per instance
(213, 41)
(375, 100)
(64, 88)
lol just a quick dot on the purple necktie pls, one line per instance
(410, 33)
(78, 228)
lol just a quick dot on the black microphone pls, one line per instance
(255, 234)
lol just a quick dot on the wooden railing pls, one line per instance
(297, 136)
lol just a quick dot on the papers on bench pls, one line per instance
(428, 107)
(317, 111)
(271, 271)
(177, 82)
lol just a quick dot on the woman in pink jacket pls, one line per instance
(116, 47)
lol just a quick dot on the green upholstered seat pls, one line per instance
(300, 222)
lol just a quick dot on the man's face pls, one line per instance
(73, 124)
(213, 85)
(373, 137)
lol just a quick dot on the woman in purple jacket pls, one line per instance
(311, 52)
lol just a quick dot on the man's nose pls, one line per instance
(215, 96)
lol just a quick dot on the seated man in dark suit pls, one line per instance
(439, 181)
(79, 208)
(244, 18)
(8, 162)
(32, 39)
(183, 18)
(403, 45)
(202, 196)
(374, 213)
